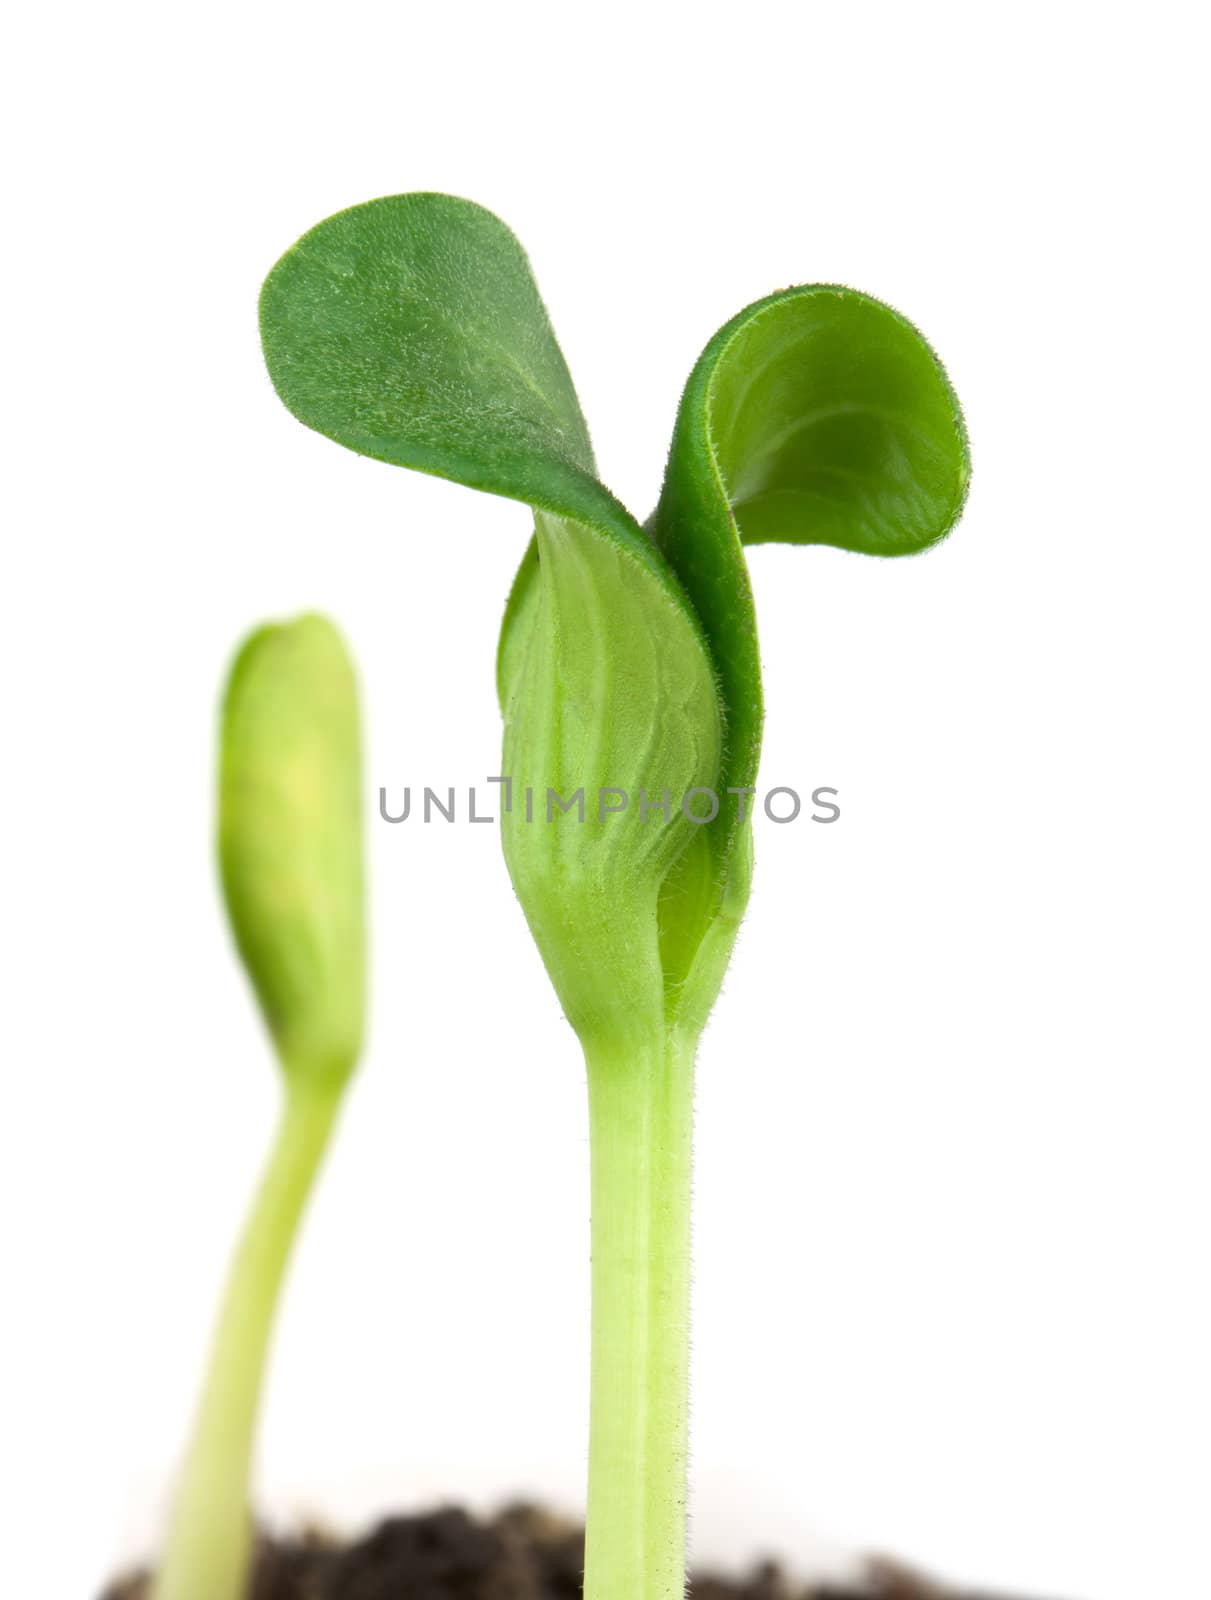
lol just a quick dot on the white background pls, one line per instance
(953, 1199)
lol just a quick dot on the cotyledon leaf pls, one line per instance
(410, 330)
(817, 415)
(290, 841)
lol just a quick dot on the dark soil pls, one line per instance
(523, 1554)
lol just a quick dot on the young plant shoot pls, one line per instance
(410, 330)
(290, 853)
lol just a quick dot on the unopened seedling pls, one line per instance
(290, 852)
(410, 329)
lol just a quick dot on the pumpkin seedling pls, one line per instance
(290, 854)
(410, 329)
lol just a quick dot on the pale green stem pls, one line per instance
(206, 1555)
(640, 1126)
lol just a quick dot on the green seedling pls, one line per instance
(410, 330)
(290, 853)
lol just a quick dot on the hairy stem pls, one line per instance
(207, 1551)
(640, 1119)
